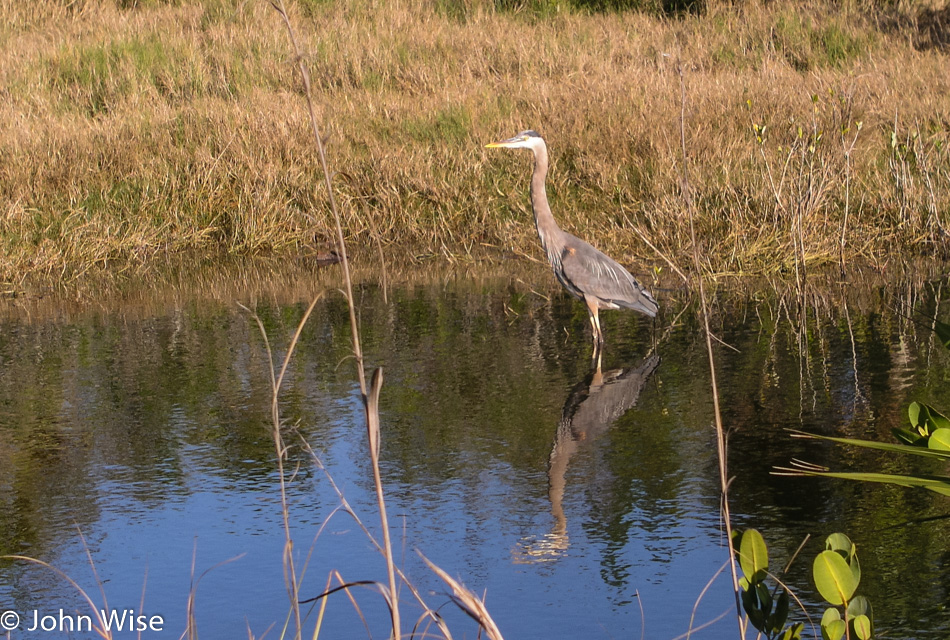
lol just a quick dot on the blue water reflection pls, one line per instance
(584, 504)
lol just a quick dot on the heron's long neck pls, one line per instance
(548, 230)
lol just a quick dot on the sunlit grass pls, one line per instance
(136, 129)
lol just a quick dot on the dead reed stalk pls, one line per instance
(720, 430)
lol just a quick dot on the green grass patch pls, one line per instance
(96, 78)
(809, 43)
(450, 125)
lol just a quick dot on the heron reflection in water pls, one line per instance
(588, 274)
(592, 407)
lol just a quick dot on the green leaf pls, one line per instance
(833, 577)
(777, 620)
(753, 556)
(765, 599)
(750, 602)
(937, 419)
(832, 626)
(881, 446)
(913, 413)
(907, 436)
(830, 615)
(943, 332)
(925, 419)
(794, 632)
(834, 630)
(859, 606)
(861, 625)
(841, 543)
(937, 484)
(939, 440)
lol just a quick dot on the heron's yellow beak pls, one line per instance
(504, 144)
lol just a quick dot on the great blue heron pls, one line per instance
(585, 272)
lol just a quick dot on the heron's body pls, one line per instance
(588, 274)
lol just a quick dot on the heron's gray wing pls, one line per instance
(593, 273)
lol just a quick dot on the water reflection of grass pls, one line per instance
(137, 129)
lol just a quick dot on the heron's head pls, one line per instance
(524, 140)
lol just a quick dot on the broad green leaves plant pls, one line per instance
(925, 422)
(766, 613)
(837, 574)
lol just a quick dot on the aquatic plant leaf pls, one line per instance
(907, 436)
(777, 620)
(937, 484)
(753, 556)
(861, 626)
(881, 446)
(842, 544)
(752, 606)
(833, 577)
(913, 413)
(939, 440)
(860, 607)
(765, 598)
(794, 632)
(832, 626)
(937, 419)
(943, 332)
(925, 419)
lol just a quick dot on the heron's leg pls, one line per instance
(600, 334)
(598, 379)
(593, 311)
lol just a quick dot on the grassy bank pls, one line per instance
(132, 129)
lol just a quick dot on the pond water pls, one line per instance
(137, 433)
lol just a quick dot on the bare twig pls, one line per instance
(692, 616)
(720, 431)
(467, 601)
(101, 630)
(370, 401)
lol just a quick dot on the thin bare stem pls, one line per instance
(372, 429)
(662, 255)
(699, 598)
(100, 630)
(720, 431)
(371, 402)
(706, 624)
(402, 576)
(467, 601)
(341, 244)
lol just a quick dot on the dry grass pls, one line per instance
(133, 130)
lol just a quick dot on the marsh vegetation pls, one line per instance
(133, 130)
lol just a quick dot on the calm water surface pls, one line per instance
(584, 504)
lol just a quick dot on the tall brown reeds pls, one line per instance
(370, 397)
